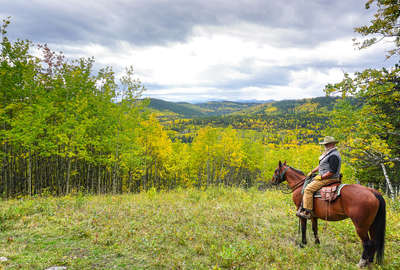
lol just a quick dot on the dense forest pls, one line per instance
(65, 127)
(285, 116)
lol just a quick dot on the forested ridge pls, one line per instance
(65, 127)
(190, 110)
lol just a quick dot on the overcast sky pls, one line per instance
(197, 50)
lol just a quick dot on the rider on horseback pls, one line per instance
(329, 172)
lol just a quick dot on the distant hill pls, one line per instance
(238, 101)
(217, 108)
(182, 109)
(290, 106)
(227, 108)
(188, 110)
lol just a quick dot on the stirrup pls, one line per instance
(304, 214)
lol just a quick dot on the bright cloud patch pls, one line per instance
(243, 61)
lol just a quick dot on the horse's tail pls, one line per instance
(379, 228)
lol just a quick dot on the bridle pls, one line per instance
(281, 177)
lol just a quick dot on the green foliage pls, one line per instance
(369, 128)
(384, 25)
(60, 121)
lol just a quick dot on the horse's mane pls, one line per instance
(297, 170)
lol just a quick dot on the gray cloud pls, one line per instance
(149, 22)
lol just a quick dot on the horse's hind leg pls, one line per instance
(368, 247)
(363, 221)
(373, 246)
(315, 229)
(361, 205)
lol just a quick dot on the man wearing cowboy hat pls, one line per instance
(328, 172)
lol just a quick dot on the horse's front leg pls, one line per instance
(315, 229)
(303, 223)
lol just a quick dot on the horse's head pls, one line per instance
(280, 173)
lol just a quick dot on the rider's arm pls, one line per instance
(315, 169)
(333, 163)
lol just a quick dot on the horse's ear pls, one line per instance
(284, 163)
(280, 164)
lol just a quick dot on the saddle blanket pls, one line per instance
(329, 193)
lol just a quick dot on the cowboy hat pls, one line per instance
(329, 139)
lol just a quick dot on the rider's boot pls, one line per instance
(299, 211)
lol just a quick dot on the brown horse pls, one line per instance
(364, 206)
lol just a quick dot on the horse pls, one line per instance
(365, 207)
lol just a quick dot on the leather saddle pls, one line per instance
(329, 192)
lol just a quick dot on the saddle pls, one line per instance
(329, 192)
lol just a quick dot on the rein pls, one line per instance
(299, 184)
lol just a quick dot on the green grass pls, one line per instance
(219, 228)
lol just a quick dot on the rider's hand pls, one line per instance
(309, 174)
(318, 177)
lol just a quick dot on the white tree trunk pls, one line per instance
(387, 179)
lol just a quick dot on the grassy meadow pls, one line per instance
(218, 228)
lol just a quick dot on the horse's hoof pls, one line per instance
(362, 263)
(317, 241)
(302, 245)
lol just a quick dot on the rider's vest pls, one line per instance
(324, 164)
